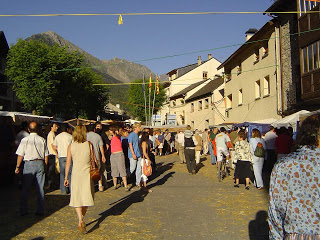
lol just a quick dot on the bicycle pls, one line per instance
(223, 169)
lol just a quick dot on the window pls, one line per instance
(192, 107)
(256, 56)
(227, 75)
(310, 58)
(200, 105)
(315, 56)
(206, 103)
(240, 100)
(266, 86)
(229, 101)
(205, 75)
(265, 49)
(305, 59)
(239, 69)
(307, 5)
(206, 123)
(257, 89)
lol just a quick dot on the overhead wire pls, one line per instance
(193, 52)
(153, 13)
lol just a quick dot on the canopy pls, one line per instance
(262, 127)
(290, 120)
(28, 117)
(305, 115)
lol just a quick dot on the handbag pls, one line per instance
(147, 169)
(94, 171)
(259, 152)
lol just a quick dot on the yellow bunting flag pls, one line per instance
(120, 20)
(150, 83)
(158, 90)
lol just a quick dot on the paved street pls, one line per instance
(181, 206)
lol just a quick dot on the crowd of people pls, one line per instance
(292, 160)
(63, 159)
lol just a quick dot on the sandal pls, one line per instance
(101, 188)
(236, 185)
(127, 189)
(247, 187)
(82, 228)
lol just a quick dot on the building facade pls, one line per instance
(184, 82)
(252, 79)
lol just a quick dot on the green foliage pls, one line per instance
(136, 99)
(32, 67)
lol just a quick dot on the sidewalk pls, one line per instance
(181, 206)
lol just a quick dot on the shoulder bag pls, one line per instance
(94, 170)
(147, 169)
(259, 152)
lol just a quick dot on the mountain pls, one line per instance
(113, 71)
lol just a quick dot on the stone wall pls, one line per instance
(290, 61)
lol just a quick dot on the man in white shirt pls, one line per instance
(97, 143)
(34, 152)
(222, 143)
(189, 144)
(51, 175)
(22, 134)
(60, 147)
(271, 158)
(180, 141)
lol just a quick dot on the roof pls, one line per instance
(282, 6)
(245, 46)
(187, 89)
(184, 70)
(207, 89)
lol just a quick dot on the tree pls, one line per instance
(42, 81)
(136, 98)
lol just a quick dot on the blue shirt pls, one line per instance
(161, 138)
(134, 139)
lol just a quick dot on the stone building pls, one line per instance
(300, 61)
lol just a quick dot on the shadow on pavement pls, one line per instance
(119, 207)
(124, 203)
(259, 228)
(199, 166)
(11, 223)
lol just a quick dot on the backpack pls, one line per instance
(259, 152)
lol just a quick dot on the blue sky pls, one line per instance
(140, 37)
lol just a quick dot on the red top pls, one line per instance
(116, 145)
(283, 144)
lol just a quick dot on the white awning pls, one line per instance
(28, 117)
(290, 120)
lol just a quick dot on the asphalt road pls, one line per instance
(181, 206)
